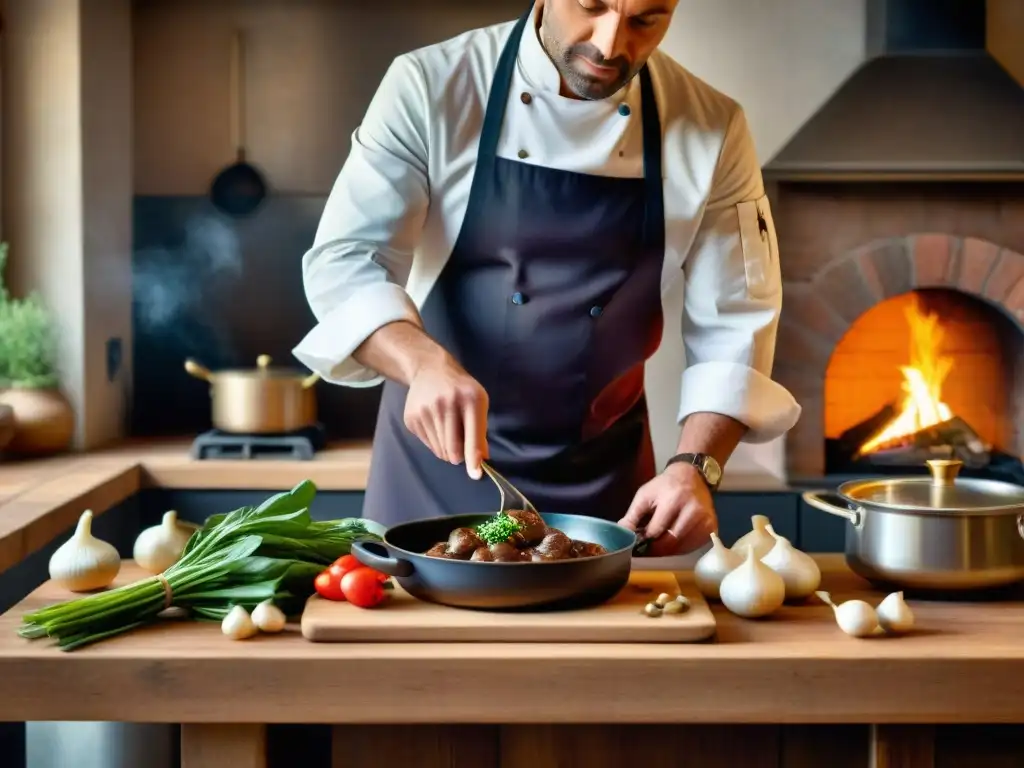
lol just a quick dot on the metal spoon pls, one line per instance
(512, 498)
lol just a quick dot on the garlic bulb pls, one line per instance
(158, 548)
(752, 589)
(798, 569)
(854, 617)
(268, 617)
(83, 562)
(894, 615)
(713, 567)
(238, 625)
(758, 537)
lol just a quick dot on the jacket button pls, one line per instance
(526, 98)
(624, 110)
(518, 298)
(523, 154)
(596, 311)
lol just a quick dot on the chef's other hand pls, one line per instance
(446, 408)
(675, 510)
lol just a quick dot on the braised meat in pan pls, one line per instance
(520, 536)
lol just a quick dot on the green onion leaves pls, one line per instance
(270, 552)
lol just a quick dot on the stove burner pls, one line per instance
(300, 445)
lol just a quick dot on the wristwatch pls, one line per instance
(707, 466)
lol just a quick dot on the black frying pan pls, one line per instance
(239, 189)
(559, 584)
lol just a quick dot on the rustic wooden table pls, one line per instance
(765, 693)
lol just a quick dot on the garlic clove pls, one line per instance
(84, 563)
(268, 617)
(826, 598)
(894, 615)
(759, 537)
(752, 589)
(238, 625)
(854, 617)
(713, 566)
(799, 571)
(159, 547)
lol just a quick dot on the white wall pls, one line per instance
(781, 59)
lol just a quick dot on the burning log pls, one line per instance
(953, 438)
(852, 439)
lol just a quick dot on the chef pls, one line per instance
(517, 203)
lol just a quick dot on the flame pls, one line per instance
(922, 405)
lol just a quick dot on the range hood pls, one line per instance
(932, 104)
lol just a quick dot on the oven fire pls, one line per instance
(921, 421)
(922, 407)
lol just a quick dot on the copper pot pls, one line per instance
(260, 400)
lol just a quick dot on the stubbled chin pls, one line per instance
(586, 88)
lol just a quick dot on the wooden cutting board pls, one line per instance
(404, 619)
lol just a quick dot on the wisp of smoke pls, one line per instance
(168, 283)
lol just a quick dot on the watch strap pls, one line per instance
(699, 461)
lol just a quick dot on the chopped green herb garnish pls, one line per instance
(498, 529)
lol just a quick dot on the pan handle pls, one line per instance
(816, 500)
(375, 555)
(642, 544)
(197, 370)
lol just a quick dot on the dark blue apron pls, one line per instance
(551, 299)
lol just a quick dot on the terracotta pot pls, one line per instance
(44, 421)
(6, 425)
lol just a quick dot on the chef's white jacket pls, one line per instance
(395, 211)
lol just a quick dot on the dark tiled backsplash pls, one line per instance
(222, 292)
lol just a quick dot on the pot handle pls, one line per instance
(374, 555)
(1020, 524)
(816, 500)
(197, 370)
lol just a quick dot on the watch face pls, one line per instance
(712, 471)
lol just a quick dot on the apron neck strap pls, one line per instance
(494, 117)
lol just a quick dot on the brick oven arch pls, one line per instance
(817, 313)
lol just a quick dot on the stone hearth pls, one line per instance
(847, 246)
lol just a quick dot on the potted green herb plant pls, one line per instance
(44, 421)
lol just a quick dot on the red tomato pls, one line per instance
(362, 587)
(348, 563)
(328, 587)
(336, 572)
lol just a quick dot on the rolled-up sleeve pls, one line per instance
(356, 272)
(733, 296)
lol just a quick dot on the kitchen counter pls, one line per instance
(963, 664)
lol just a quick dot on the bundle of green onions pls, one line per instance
(270, 552)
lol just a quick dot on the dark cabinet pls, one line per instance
(820, 531)
(735, 510)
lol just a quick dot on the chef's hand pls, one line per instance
(674, 509)
(446, 408)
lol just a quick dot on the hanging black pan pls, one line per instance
(239, 189)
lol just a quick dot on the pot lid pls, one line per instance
(942, 492)
(263, 370)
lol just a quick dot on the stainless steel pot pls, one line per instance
(932, 533)
(261, 400)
